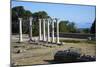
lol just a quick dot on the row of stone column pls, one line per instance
(44, 21)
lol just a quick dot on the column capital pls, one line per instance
(20, 18)
(57, 19)
(44, 19)
(31, 18)
(40, 19)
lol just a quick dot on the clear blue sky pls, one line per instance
(83, 16)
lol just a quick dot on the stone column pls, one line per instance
(44, 30)
(20, 29)
(57, 32)
(52, 30)
(48, 33)
(40, 29)
(30, 29)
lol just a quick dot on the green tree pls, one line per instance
(27, 14)
(86, 30)
(20, 12)
(71, 27)
(63, 26)
(93, 27)
(66, 26)
(36, 16)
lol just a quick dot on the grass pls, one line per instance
(78, 41)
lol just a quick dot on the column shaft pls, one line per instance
(57, 37)
(30, 28)
(48, 33)
(40, 29)
(52, 31)
(44, 30)
(20, 29)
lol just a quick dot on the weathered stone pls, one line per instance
(69, 55)
(86, 58)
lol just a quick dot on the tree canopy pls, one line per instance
(66, 26)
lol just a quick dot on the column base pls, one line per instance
(30, 40)
(20, 42)
(40, 40)
(59, 43)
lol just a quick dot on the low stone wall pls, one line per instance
(75, 35)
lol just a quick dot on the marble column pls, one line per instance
(40, 29)
(44, 39)
(57, 32)
(48, 33)
(20, 30)
(52, 30)
(30, 29)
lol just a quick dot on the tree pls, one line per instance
(66, 26)
(63, 26)
(72, 27)
(36, 16)
(20, 12)
(86, 30)
(93, 27)
(27, 14)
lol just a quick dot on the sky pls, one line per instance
(82, 15)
